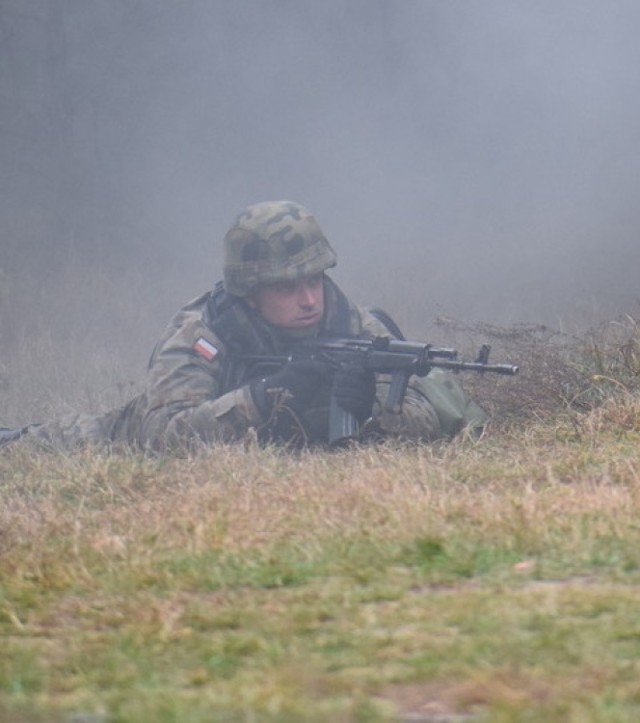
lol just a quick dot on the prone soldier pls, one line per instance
(275, 293)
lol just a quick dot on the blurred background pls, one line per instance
(477, 159)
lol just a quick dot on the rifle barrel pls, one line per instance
(462, 366)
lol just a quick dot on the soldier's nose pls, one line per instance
(307, 297)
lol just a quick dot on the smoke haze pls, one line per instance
(478, 157)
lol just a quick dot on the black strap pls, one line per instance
(242, 332)
(384, 318)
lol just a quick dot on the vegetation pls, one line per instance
(486, 580)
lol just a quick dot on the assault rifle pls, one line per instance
(400, 358)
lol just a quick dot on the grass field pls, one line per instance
(488, 580)
(476, 581)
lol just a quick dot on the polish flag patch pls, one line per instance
(205, 349)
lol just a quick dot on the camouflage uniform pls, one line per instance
(197, 382)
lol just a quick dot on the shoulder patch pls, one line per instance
(205, 349)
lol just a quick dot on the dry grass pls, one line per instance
(491, 580)
(559, 372)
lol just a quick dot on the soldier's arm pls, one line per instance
(418, 420)
(434, 406)
(182, 404)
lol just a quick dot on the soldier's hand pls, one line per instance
(294, 386)
(354, 388)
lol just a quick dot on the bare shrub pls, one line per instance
(559, 372)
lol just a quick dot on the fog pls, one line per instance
(472, 157)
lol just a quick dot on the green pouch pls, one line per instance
(452, 405)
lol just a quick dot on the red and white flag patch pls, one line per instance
(205, 349)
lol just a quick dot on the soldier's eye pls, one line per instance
(284, 287)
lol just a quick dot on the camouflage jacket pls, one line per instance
(197, 387)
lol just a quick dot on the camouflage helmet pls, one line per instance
(273, 241)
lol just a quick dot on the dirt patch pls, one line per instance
(433, 702)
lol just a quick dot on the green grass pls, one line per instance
(497, 580)
(489, 581)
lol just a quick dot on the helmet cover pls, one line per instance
(273, 241)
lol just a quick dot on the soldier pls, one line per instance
(275, 293)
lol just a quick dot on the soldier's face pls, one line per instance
(293, 304)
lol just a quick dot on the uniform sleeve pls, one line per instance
(434, 406)
(182, 404)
